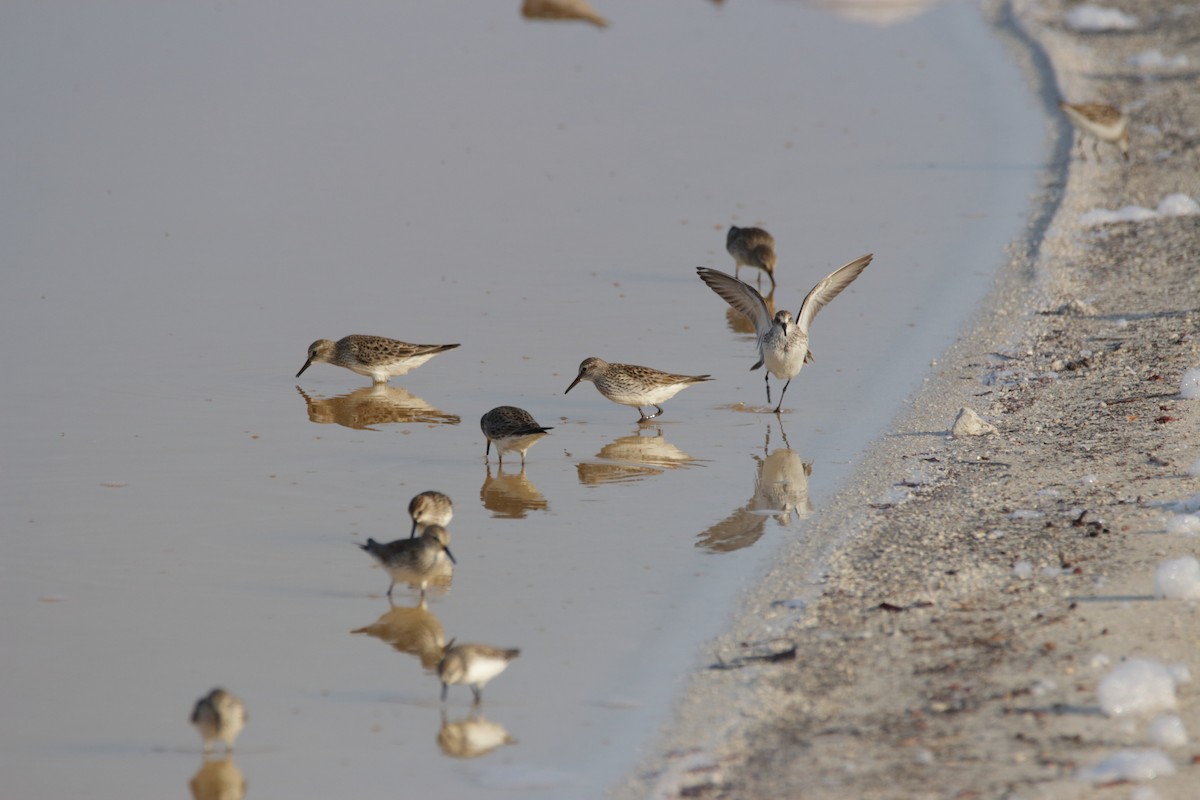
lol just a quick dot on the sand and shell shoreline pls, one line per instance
(922, 664)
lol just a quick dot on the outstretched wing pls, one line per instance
(741, 295)
(828, 289)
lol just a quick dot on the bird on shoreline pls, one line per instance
(510, 429)
(429, 508)
(782, 340)
(376, 357)
(415, 561)
(751, 247)
(631, 385)
(473, 665)
(1102, 122)
(219, 716)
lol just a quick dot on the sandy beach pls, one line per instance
(981, 587)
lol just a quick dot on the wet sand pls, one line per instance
(920, 665)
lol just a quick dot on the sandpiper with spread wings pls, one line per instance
(782, 340)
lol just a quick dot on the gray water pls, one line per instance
(193, 192)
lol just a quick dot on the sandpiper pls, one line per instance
(751, 247)
(429, 508)
(415, 561)
(510, 429)
(782, 342)
(374, 356)
(219, 716)
(472, 664)
(631, 385)
(1103, 122)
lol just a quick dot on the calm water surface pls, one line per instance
(195, 191)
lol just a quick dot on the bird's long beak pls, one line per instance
(453, 560)
(575, 382)
(307, 364)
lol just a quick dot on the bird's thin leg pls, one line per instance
(445, 687)
(478, 695)
(767, 381)
(522, 459)
(781, 394)
(392, 586)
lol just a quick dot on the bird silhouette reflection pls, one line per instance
(511, 495)
(780, 491)
(633, 457)
(410, 629)
(378, 404)
(218, 779)
(564, 10)
(472, 736)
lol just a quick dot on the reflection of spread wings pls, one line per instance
(413, 630)
(780, 490)
(471, 737)
(632, 458)
(740, 529)
(511, 496)
(379, 404)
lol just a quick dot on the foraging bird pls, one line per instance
(219, 716)
(429, 508)
(415, 561)
(473, 665)
(751, 247)
(782, 341)
(510, 429)
(376, 357)
(631, 385)
(1102, 122)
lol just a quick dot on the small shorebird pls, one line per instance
(415, 561)
(473, 665)
(510, 429)
(1102, 122)
(219, 716)
(782, 342)
(631, 385)
(374, 356)
(751, 247)
(429, 508)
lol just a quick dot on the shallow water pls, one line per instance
(196, 192)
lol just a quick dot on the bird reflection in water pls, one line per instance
(632, 458)
(378, 404)
(780, 490)
(218, 779)
(413, 630)
(472, 736)
(510, 496)
(562, 9)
